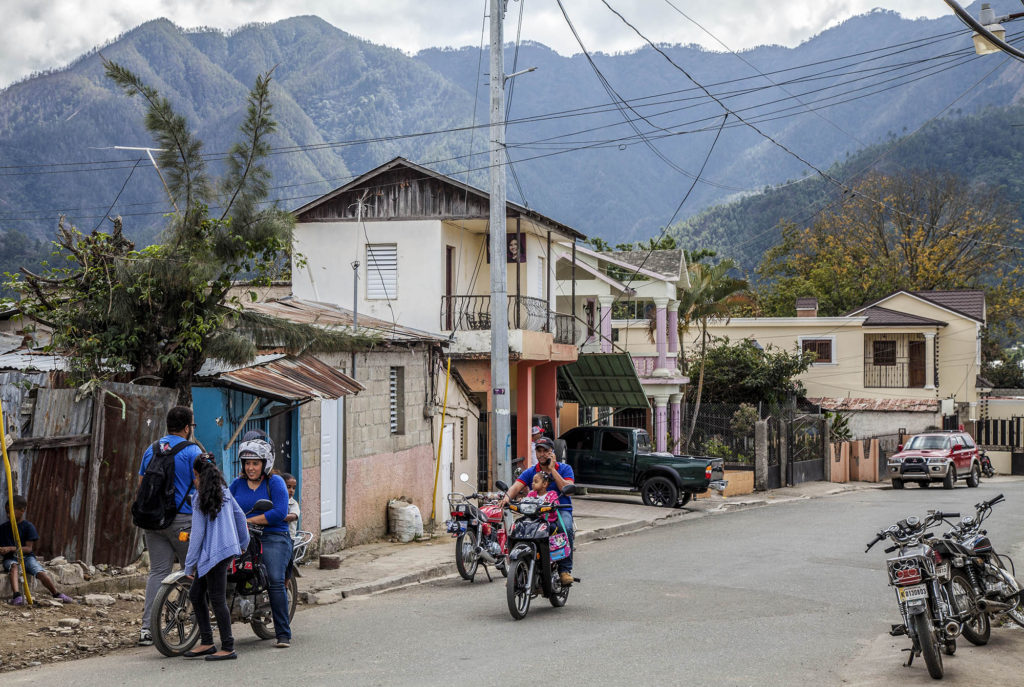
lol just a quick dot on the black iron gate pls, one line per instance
(773, 480)
(806, 444)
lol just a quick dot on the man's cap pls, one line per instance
(537, 429)
(544, 442)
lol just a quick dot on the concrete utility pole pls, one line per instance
(500, 419)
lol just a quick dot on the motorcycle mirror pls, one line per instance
(464, 477)
(263, 505)
(501, 485)
(569, 489)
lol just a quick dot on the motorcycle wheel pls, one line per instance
(172, 621)
(517, 589)
(559, 598)
(261, 626)
(977, 629)
(928, 642)
(466, 559)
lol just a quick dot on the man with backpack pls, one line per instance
(163, 505)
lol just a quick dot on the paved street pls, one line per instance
(775, 595)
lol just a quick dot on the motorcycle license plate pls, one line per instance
(942, 570)
(918, 591)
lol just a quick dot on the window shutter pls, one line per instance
(382, 271)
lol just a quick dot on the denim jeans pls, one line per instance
(565, 565)
(213, 585)
(277, 553)
(163, 546)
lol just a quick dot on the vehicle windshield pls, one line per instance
(643, 442)
(927, 443)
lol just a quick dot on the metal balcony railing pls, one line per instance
(894, 373)
(473, 313)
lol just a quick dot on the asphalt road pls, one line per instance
(777, 595)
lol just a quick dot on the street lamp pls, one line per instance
(989, 34)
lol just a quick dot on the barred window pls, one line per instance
(822, 348)
(883, 352)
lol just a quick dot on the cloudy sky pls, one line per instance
(43, 34)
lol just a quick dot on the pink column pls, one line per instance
(660, 423)
(673, 327)
(660, 338)
(674, 421)
(606, 323)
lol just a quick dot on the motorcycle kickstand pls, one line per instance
(488, 571)
(910, 658)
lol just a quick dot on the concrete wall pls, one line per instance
(864, 425)
(309, 440)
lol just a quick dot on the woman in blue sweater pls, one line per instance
(219, 533)
(257, 483)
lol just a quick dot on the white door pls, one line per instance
(444, 482)
(330, 463)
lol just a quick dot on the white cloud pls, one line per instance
(45, 34)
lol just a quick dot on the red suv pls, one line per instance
(936, 457)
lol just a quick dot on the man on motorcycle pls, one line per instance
(561, 474)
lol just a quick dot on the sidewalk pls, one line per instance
(384, 566)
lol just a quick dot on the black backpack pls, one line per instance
(155, 507)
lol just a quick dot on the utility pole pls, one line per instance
(501, 419)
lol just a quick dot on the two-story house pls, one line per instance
(890, 364)
(405, 244)
(628, 301)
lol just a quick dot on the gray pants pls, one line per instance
(163, 546)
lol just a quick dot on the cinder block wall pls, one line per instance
(309, 429)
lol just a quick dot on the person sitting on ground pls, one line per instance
(293, 506)
(29, 536)
(219, 533)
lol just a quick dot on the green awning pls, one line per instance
(602, 379)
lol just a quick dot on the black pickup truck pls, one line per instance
(621, 459)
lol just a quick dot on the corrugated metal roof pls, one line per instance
(24, 360)
(890, 405)
(330, 315)
(604, 379)
(291, 379)
(213, 367)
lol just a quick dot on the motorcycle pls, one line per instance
(986, 464)
(479, 531)
(172, 619)
(995, 585)
(928, 601)
(534, 550)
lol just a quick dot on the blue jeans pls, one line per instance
(277, 553)
(565, 565)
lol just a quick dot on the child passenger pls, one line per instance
(539, 487)
(293, 506)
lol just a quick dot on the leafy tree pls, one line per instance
(741, 372)
(712, 295)
(913, 232)
(161, 311)
(1004, 369)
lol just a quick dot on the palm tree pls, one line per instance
(712, 295)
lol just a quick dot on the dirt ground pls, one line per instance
(45, 633)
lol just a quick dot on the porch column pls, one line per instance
(660, 423)
(673, 328)
(929, 360)
(606, 323)
(674, 421)
(545, 382)
(660, 336)
(524, 411)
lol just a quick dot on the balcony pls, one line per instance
(473, 313)
(900, 373)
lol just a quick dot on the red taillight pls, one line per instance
(908, 576)
(707, 472)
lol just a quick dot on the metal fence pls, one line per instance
(722, 430)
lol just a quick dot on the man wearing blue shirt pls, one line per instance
(164, 545)
(561, 475)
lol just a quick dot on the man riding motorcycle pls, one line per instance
(561, 474)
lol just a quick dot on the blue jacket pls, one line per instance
(272, 488)
(211, 541)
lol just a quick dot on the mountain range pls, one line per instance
(608, 144)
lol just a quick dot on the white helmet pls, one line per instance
(258, 449)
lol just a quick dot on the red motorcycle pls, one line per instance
(479, 530)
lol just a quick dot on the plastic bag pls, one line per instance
(404, 520)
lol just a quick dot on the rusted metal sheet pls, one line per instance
(125, 439)
(328, 315)
(292, 379)
(15, 395)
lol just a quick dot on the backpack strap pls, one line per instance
(174, 452)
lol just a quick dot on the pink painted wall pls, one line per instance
(376, 479)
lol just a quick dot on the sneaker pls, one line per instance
(64, 599)
(19, 600)
(145, 638)
(565, 578)
(283, 643)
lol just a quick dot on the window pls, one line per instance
(928, 442)
(883, 352)
(822, 348)
(968, 441)
(579, 439)
(540, 278)
(614, 440)
(396, 399)
(382, 271)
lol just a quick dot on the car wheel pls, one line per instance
(974, 479)
(660, 492)
(897, 484)
(947, 481)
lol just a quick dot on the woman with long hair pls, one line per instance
(219, 533)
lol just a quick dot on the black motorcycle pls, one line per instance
(173, 621)
(986, 464)
(934, 609)
(535, 547)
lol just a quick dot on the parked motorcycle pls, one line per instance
(932, 616)
(172, 619)
(534, 550)
(993, 582)
(479, 530)
(986, 464)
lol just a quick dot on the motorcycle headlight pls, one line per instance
(528, 508)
